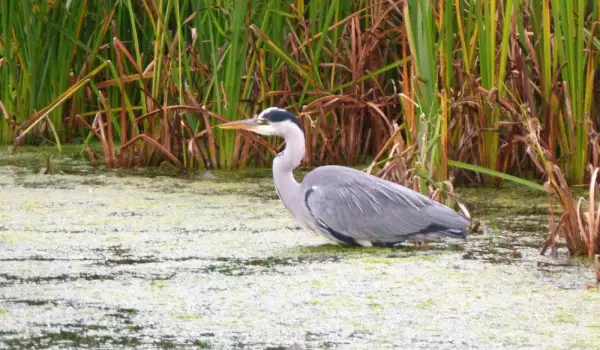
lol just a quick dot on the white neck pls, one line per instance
(286, 162)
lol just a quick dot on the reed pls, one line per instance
(31, 74)
(420, 30)
(578, 75)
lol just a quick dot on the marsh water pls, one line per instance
(92, 258)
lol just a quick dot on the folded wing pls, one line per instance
(364, 207)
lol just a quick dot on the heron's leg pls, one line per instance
(419, 243)
(384, 244)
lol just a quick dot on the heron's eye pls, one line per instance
(262, 121)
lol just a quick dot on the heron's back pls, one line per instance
(364, 207)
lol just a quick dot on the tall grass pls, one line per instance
(485, 13)
(420, 30)
(578, 76)
(37, 64)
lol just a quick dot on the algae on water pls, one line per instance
(89, 258)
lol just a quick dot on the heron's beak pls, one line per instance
(246, 124)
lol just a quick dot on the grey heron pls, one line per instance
(347, 205)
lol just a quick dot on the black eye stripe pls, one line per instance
(280, 115)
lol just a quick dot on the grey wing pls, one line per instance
(351, 203)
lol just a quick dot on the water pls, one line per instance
(94, 259)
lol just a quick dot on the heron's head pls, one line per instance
(271, 121)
